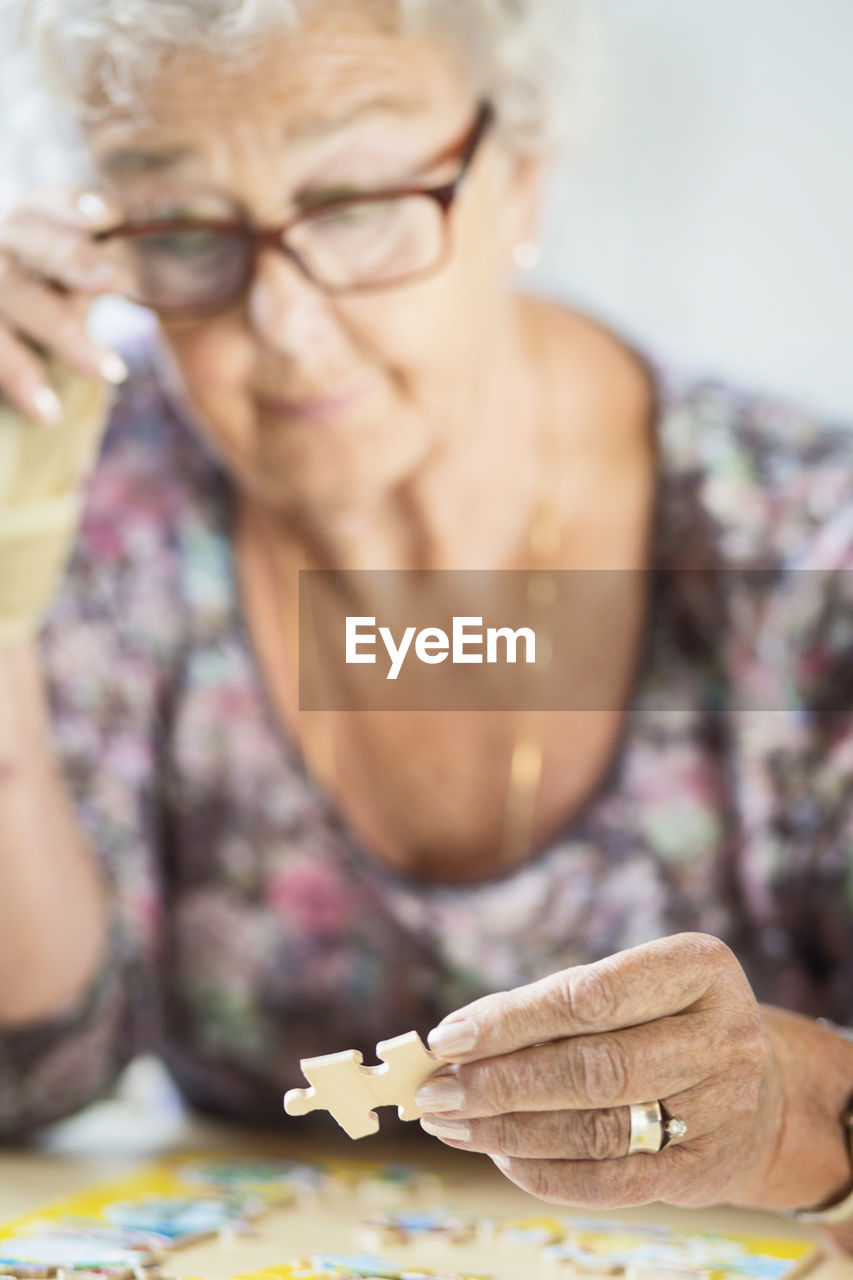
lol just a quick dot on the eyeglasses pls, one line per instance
(351, 244)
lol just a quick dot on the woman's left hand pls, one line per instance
(546, 1074)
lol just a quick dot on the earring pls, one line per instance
(527, 255)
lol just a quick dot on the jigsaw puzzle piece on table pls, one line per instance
(366, 1267)
(358, 1266)
(409, 1225)
(390, 1185)
(184, 1220)
(525, 1233)
(273, 1181)
(342, 1085)
(649, 1251)
(80, 1246)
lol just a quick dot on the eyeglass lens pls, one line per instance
(356, 244)
(186, 269)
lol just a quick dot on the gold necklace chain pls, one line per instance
(527, 761)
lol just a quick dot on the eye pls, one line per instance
(354, 215)
(359, 216)
(189, 245)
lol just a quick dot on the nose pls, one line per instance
(287, 312)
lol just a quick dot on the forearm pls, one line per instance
(812, 1165)
(52, 903)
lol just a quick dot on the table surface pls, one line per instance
(113, 1141)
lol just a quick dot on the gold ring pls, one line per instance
(646, 1128)
(650, 1132)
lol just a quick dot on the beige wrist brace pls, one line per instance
(42, 475)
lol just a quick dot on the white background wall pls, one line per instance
(708, 210)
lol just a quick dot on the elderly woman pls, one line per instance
(321, 204)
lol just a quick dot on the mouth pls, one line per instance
(312, 408)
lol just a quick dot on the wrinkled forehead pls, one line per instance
(306, 87)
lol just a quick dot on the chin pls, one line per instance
(352, 465)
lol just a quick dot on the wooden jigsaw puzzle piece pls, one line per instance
(408, 1063)
(338, 1085)
(342, 1085)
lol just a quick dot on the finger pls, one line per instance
(56, 322)
(640, 985)
(24, 382)
(539, 1135)
(650, 1061)
(61, 252)
(79, 207)
(601, 1134)
(608, 1184)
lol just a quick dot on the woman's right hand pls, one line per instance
(53, 374)
(50, 273)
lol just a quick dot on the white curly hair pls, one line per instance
(522, 54)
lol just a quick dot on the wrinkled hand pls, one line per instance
(546, 1074)
(51, 270)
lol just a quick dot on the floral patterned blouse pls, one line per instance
(249, 929)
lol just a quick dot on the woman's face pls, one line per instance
(313, 399)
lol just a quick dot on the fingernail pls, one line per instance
(440, 1095)
(92, 206)
(503, 1162)
(113, 368)
(455, 1130)
(453, 1037)
(47, 406)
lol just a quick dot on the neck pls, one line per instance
(469, 502)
